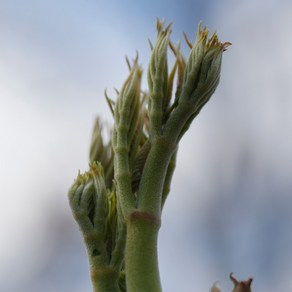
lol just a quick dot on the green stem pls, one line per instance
(152, 181)
(177, 120)
(119, 250)
(103, 276)
(168, 178)
(104, 279)
(142, 273)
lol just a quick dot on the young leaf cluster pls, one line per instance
(122, 195)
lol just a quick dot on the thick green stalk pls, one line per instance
(154, 173)
(142, 273)
(178, 119)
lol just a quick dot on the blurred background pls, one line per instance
(231, 199)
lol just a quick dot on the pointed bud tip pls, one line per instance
(226, 45)
(95, 169)
(212, 42)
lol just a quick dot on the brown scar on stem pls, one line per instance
(145, 216)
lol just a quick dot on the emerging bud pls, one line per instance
(97, 146)
(88, 199)
(201, 77)
(128, 109)
(102, 152)
(95, 210)
(202, 72)
(158, 79)
(157, 70)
